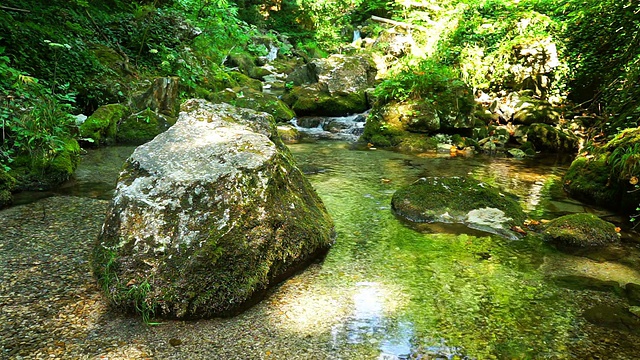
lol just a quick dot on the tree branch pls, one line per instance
(398, 23)
(13, 9)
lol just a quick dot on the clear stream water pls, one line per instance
(433, 291)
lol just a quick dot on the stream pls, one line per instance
(392, 290)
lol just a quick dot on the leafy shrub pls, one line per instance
(424, 80)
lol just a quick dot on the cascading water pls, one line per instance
(273, 53)
(333, 128)
(356, 36)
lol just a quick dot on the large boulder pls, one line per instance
(459, 200)
(608, 176)
(207, 216)
(335, 86)
(548, 138)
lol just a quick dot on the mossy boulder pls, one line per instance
(592, 180)
(64, 163)
(310, 100)
(142, 126)
(242, 81)
(449, 109)
(609, 177)
(385, 133)
(207, 216)
(335, 86)
(7, 184)
(459, 200)
(102, 126)
(529, 111)
(548, 138)
(256, 100)
(38, 173)
(411, 115)
(580, 231)
(288, 133)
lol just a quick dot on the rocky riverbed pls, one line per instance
(51, 307)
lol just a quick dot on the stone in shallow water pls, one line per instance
(207, 216)
(613, 317)
(580, 231)
(459, 200)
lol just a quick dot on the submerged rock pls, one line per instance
(207, 216)
(580, 231)
(613, 317)
(459, 200)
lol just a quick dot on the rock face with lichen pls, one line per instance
(207, 216)
(459, 200)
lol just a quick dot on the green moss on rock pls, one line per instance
(257, 100)
(7, 184)
(65, 162)
(590, 180)
(141, 127)
(311, 100)
(102, 125)
(580, 231)
(548, 138)
(210, 226)
(458, 199)
(242, 80)
(33, 173)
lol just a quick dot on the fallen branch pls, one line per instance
(13, 9)
(398, 23)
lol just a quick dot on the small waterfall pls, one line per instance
(356, 36)
(333, 128)
(273, 53)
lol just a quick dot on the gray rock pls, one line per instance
(207, 216)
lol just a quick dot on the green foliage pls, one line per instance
(625, 161)
(137, 293)
(134, 297)
(425, 80)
